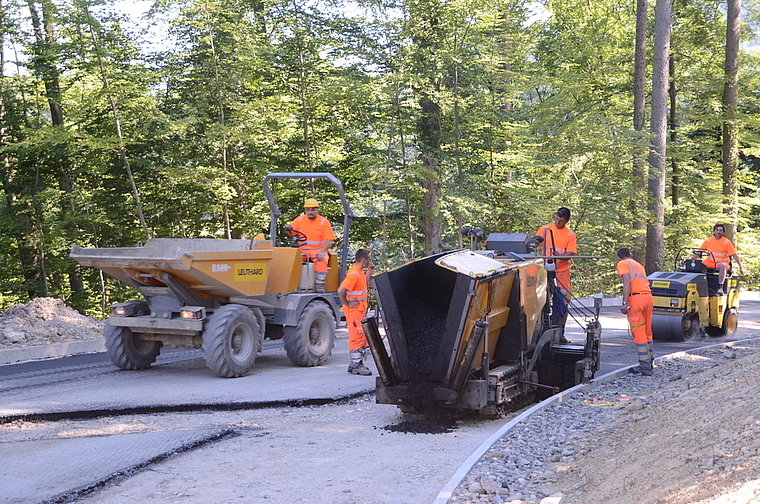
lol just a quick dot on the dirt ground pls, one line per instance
(696, 441)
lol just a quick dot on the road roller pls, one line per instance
(686, 301)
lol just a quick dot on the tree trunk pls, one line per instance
(45, 58)
(302, 94)
(658, 149)
(675, 185)
(429, 129)
(45, 67)
(639, 173)
(458, 154)
(730, 121)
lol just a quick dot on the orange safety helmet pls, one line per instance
(311, 203)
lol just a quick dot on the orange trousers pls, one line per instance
(319, 266)
(356, 338)
(563, 283)
(640, 318)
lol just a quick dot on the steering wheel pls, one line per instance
(297, 238)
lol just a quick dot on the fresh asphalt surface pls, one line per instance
(89, 385)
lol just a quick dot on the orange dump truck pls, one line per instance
(224, 296)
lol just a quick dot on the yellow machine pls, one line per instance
(471, 332)
(224, 296)
(686, 301)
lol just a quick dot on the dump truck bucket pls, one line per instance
(208, 268)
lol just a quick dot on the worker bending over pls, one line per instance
(319, 238)
(637, 305)
(721, 250)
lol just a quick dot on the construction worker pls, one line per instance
(319, 238)
(559, 241)
(353, 293)
(637, 305)
(721, 251)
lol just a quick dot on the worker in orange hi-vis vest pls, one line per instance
(719, 251)
(637, 305)
(353, 293)
(319, 238)
(560, 241)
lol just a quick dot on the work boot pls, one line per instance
(319, 283)
(359, 369)
(644, 368)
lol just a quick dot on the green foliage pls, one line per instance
(516, 114)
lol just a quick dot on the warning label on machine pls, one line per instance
(250, 272)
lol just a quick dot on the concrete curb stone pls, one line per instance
(16, 355)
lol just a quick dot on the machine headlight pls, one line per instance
(675, 303)
(118, 310)
(192, 312)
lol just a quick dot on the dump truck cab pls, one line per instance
(224, 296)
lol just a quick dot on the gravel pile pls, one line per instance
(44, 321)
(568, 448)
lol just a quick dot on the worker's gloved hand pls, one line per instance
(320, 256)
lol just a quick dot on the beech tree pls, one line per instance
(435, 115)
(658, 125)
(638, 175)
(730, 119)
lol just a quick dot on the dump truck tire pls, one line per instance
(231, 340)
(128, 352)
(311, 341)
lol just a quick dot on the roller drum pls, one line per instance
(675, 327)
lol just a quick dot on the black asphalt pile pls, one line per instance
(424, 327)
(419, 395)
(426, 426)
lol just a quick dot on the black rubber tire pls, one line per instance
(311, 341)
(730, 322)
(128, 352)
(231, 340)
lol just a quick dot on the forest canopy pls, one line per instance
(435, 115)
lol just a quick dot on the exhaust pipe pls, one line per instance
(382, 361)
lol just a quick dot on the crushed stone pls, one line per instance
(686, 434)
(45, 321)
